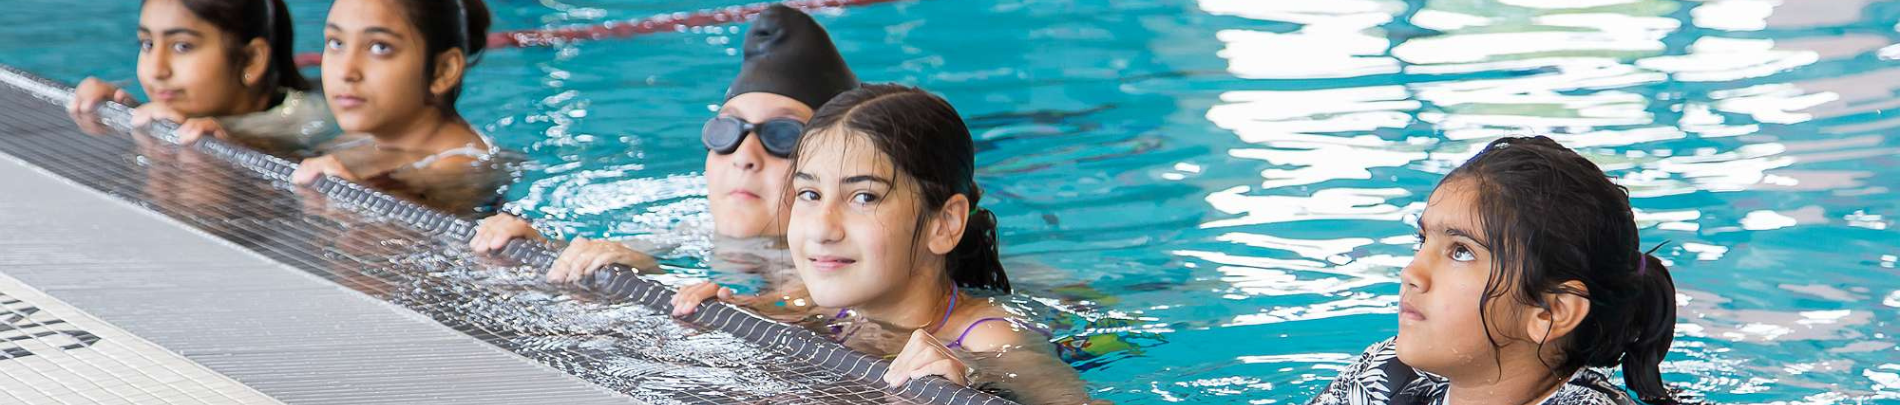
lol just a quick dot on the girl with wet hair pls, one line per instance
(221, 67)
(392, 71)
(1528, 279)
(890, 239)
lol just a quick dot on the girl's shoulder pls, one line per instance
(1590, 387)
(989, 328)
(302, 122)
(1376, 377)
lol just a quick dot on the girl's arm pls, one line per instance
(86, 100)
(782, 304)
(1003, 358)
(580, 259)
(584, 256)
(92, 91)
(494, 232)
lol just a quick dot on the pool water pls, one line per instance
(1216, 193)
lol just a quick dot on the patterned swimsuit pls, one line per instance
(1378, 378)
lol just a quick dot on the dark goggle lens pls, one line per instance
(722, 134)
(780, 136)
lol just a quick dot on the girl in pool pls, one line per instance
(790, 68)
(392, 69)
(887, 234)
(1528, 277)
(218, 64)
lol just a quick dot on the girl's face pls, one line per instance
(853, 222)
(746, 187)
(185, 63)
(1439, 326)
(373, 60)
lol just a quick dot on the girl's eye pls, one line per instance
(864, 198)
(1418, 243)
(181, 47)
(1463, 254)
(379, 48)
(145, 45)
(807, 195)
(332, 44)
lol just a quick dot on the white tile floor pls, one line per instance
(118, 368)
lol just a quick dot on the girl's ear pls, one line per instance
(256, 62)
(948, 223)
(449, 66)
(1563, 311)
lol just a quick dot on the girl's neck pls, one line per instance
(426, 133)
(1517, 384)
(918, 305)
(254, 104)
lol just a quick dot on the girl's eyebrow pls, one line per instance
(173, 31)
(862, 178)
(781, 112)
(370, 30)
(381, 30)
(1452, 231)
(1456, 232)
(866, 178)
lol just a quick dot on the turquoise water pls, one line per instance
(1224, 184)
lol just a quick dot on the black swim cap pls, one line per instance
(789, 54)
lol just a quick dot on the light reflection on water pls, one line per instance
(1719, 134)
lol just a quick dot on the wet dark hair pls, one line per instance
(445, 25)
(245, 20)
(1551, 217)
(927, 140)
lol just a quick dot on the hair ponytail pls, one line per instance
(283, 58)
(1651, 330)
(975, 262)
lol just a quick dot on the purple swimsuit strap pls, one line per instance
(946, 312)
(837, 329)
(966, 331)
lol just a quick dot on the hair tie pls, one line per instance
(461, 28)
(270, 24)
(1642, 259)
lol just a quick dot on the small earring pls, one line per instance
(247, 77)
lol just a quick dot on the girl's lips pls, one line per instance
(831, 263)
(346, 102)
(167, 95)
(742, 194)
(1409, 313)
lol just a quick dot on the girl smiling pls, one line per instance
(888, 236)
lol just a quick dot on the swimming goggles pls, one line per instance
(723, 134)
